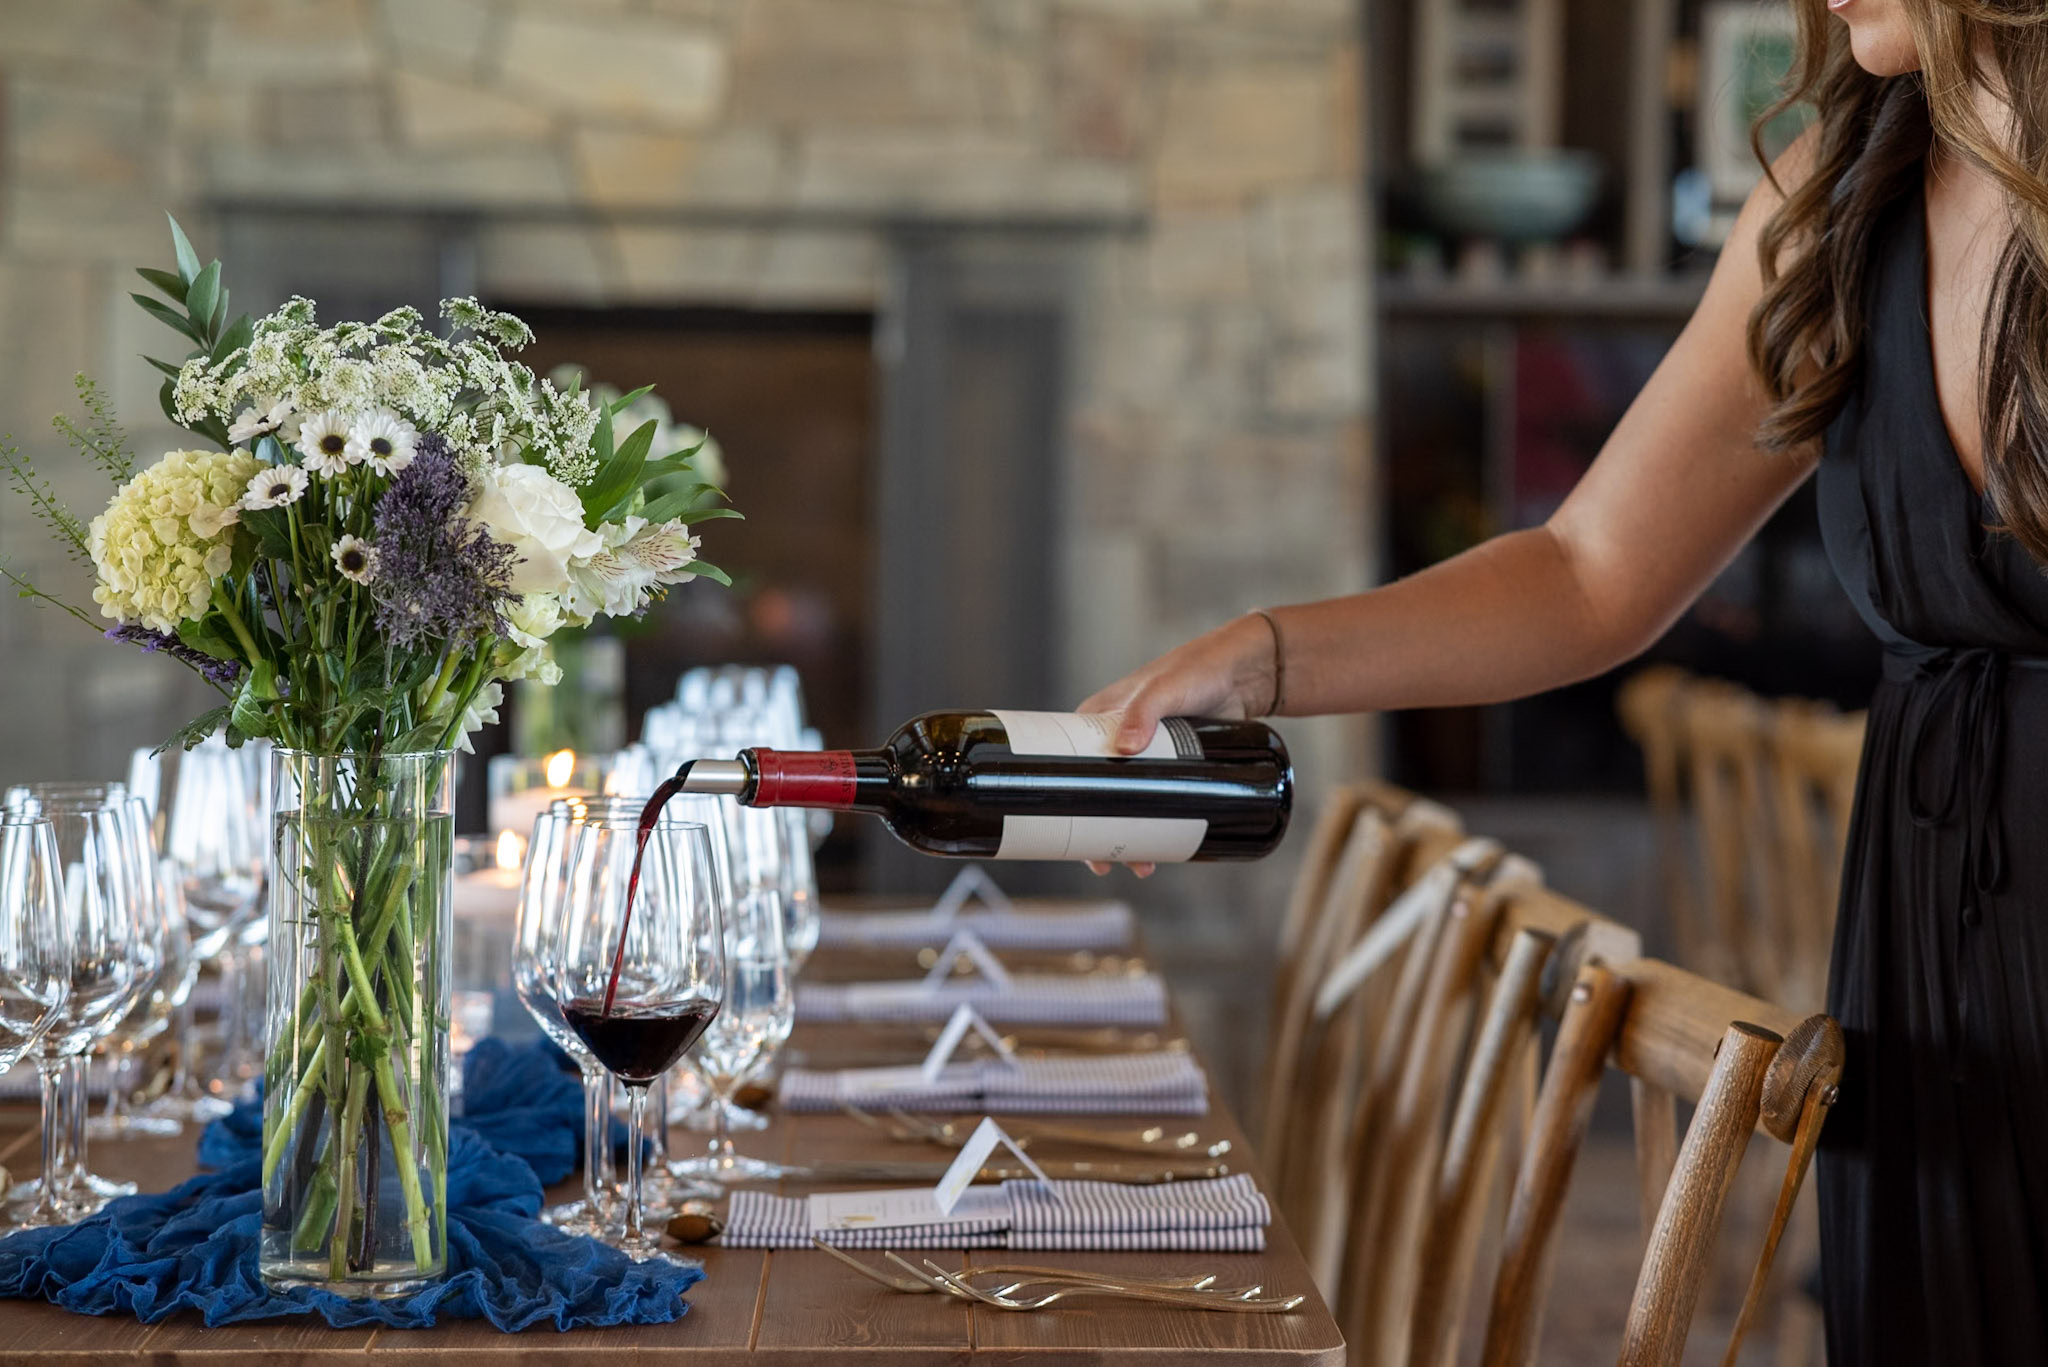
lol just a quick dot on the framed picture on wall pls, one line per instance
(1746, 50)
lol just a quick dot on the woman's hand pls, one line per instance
(1229, 672)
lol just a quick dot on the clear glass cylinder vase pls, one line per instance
(355, 1102)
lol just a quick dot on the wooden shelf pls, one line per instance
(1649, 299)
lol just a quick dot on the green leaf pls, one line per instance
(167, 315)
(165, 366)
(691, 519)
(205, 635)
(618, 477)
(705, 570)
(170, 284)
(163, 396)
(237, 336)
(271, 530)
(245, 713)
(200, 300)
(220, 312)
(625, 401)
(195, 731)
(188, 260)
(676, 504)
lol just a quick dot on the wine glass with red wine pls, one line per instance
(641, 967)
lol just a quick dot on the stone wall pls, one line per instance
(745, 151)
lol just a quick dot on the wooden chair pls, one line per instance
(1356, 815)
(1322, 1092)
(1741, 1061)
(1650, 704)
(1419, 1182)
(1814, 753)
(1725, 732)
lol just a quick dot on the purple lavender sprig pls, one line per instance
(222, 673)
(439, 576)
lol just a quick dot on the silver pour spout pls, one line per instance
(717, 776)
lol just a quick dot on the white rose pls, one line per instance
(540, 518)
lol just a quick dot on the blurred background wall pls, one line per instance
(1034, 332)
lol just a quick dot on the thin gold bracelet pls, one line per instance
(1279, 661)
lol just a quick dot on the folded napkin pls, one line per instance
(194, 1247)
(1088, 925)
(1103, 1084)
(1029, 999)
(1222, 1214)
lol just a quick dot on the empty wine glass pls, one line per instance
(212, 818)
(110, 963)
(800, 913)
(537, 933)
(641, 967)
(754, 1022)
(168, 993)
(35, 964)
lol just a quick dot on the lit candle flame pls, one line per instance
(511, 850)
(561, 766)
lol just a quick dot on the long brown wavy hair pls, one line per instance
(1874, 134)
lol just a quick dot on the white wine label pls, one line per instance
(1090, 735)
(1112, 839)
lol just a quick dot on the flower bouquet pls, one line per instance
(385, 525)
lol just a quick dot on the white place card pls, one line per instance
(966, 944)
(843, 1210)
(964, 1018)
(972, 881)
(974, 1156)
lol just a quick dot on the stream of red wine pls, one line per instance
(649, 815)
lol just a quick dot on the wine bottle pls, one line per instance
(1038, 785)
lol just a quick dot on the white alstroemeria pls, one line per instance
(323, 439)
(274, 486)
(356, 559)
(482, 711)
(382, 439)
(532, 618)
(268, 415)
(540, 518)
(636, 560)
(536, 664)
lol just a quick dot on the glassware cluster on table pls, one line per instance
(732, 886)
(117, 894)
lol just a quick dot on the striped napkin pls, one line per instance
(1029, 999)
(1087, 925)
(1169, 1083)
(1222, 1214)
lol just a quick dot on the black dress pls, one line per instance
(1933, 1173)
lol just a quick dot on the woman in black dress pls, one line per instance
(1880, 315)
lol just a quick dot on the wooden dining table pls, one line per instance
(754, 1306)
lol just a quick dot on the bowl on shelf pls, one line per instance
(1512, 196)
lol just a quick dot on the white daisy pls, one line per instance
(323, 437)
(356, 559)
(267, 416)
(274, 486)
(383, 439)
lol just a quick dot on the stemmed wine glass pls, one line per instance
(641, 969)
(759, 1003)
(106, 939)
(35, 962)
(151, 1016)
(537, 934)
(212, 819)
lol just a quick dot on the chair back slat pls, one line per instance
(1564, 1108)
(1675, 1265)
(1472, 1152)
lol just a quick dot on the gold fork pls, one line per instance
(1031, 1274)
(958, 1285)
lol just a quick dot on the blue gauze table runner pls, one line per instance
(194, 1247)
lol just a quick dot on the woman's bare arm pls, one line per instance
(1678, 488)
